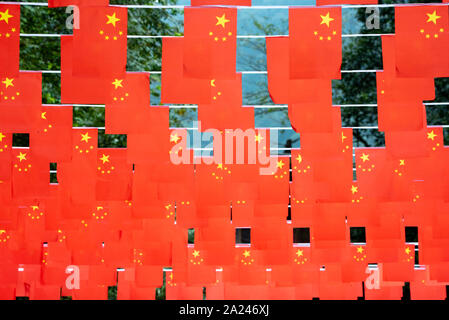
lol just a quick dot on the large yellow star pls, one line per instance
(280, 164)
(5, 16)
(407, 250)
(104, 158)
(431, 135)
(212, 83)
(85, 137)
(22, 156)
(174, 138)
(196, 253)
(221, 21)
(299, 253)
(258, 138)
(246, 253)
(364, 157)
(360, 249)
(112, 19)
(2, 136)
(326, 19)
(354, 189)
(433, 17)
(118, 83)
(44, 115)
(8, 83)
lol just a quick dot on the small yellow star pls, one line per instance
(433, 17)
(365, 157)
(22, 156)
(8, 82)
(221, 21)
(354, 189)
(117, 83)
(280, 164)
(5, 16)
(104, 158)
(112, 19)
(326, 19)
(431, 135)
(85, 137)
(246, 253)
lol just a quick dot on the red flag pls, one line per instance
(210, 43)
(52, 138)
(315, 43)
(20, 101)
(333, 2)
(9, 39)
(422, 41)
(84, 3)
(221, 2)
(102, 37)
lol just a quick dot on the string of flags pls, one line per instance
(121, 216)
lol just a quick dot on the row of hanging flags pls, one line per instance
(131, 208)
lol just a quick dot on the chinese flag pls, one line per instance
(20, 101)
(176, 86)
(315, 43)
(220, 2)
(333, 2)
(128, 109)
(422, 41)
(9, 39)
(30, 174)
(52, 139)
(80, 89)
(5, 155)
(210, 43)
(114, 175)
(102, 39)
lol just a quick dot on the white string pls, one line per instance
(54, 35)
(242, 72)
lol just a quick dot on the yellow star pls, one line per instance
(220, 166)
(5, 16)
(85, 137)
(22, 156)
(431, 135)
(196, 253)
(34, 208)
(117, 83)
(221, 21)
(280, 164)
(299, 158)
(2, 231)
(212, 83)
(407, 250)
(43, 115)
(246, 253)
(343, 137)
(402, 162)
(354, 189)
(365, 157)
(2, 136)
(104, 158)
(326, 19)
(174, 138)
(433, 17)
(8, 82)
(112, 19)
(299, 253)
(360, 250)
(258, 138)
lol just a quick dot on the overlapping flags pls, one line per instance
(265, 227)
